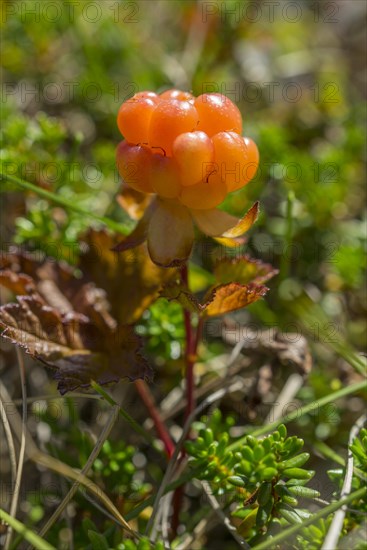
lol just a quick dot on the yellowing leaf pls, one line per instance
(130, 279)
(232, 296)
(243, 270)
(234, 236)
(244, 223)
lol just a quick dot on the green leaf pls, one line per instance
(294, 462)
(282, 431)
(264, 493)
(247, 453)
(208, 436)
(268, 474)
(248, 523)
(237, 481)
(88, 525)
(289, 514)
(97, 540)
(199, 278)
(264, 513)
(258, 453)
(303, 492)
(298, 473)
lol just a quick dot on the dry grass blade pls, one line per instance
(65, 470)
(85, 470)
(335, 529)
(289, 391)
(22, 438)
(9, 437)
(40, 458)
(218, 510)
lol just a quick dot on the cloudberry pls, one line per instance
(134, 166)
(217, 113)
(193, 152)
(184, 148)
(170, 118)
(190, 153)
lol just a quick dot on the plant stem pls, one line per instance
(176, 505)
(161, 428)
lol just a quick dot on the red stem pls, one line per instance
(161, 428)
(176, 504)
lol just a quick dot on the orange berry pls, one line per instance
(193, 152)
(177, 94)
(253, 158)
(147, 94)
(134, 166)
(217, 113)
(231, 158)
(134, 117)
(171, 118)
(164, 177)
(204, 195)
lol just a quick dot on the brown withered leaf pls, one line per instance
(232, 296)
(243, 270)
(70, 343)
(18, 283)
(54, 281)
(130, 279)
(59, 304)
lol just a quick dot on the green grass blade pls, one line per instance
(66, 203)
(287, 534)
(285, 260)
(27, 534)
(123, 413)
(297, 413)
